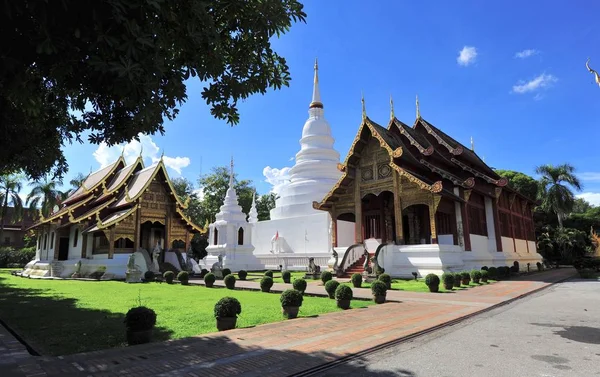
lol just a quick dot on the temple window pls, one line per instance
(52, 238)
(75, 237)
(241, 236)
(46, 241)
(477, 220)
(216, 237)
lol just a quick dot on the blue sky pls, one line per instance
(522, 110)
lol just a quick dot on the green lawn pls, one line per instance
(62, 317)
(257, 275)
(419, 285)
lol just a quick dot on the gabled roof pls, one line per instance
(121, 178)
(416, 139)
(94, 180)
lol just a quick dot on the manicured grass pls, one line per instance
(59, 317)
(418, 285)
(257, 275)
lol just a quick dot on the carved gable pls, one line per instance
(374, 163)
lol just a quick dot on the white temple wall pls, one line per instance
(75, 251)
(521, 246)
(508, 245)
(446, 239)
(345, 233)
(479, 243)
(403, 260)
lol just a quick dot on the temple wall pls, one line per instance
(508, 245)
(75, 251)
(479, 243)
(345, 233)
(521, 246)
(446, 239)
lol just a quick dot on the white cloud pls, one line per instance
(292, 158)
(106, 155)
(526, 53)
(590, 197)
(589, 176)
(540, 82)
(277, 177)
(199, 193)
(467, 56)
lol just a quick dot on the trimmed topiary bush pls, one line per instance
(539, 266)
(149, 276)
(203, 272)
(492, 272)
(433, 282)
(516, 266)
(229, 281)
(356, 280)
(242, 274)
(300, 285)
(286, 276)
(269, 273)
(139, 323)
(183, 277)
(457, 279)
(476, 276)
(484, 268)
(226, 271)
(485, 276)
(169, 276)
(448, 280)
(331, 286)
(386, 279)
(379, 291)
(209, 279)
(266, 283)
(465, 277)
(343, 296)
(326, 276)
(291, 301)
(226, 311)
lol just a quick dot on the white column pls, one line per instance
(489, 219)
(459, 223)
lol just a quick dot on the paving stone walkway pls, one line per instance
(282, 348)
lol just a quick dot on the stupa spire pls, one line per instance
(316, 96)
(231, 174)
(253, 214)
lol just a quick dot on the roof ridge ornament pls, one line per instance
(231, 173)
(417, 104)
(364, 110)
(596, 76)
(392, 115)
(316, 96)
(472, 144)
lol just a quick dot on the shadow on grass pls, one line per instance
(56, 326)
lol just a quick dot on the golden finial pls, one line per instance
(141, 149)
(231, 173)
(162, 154)
(98, 220)
(127, 197)
(597, 77)
(472, 144)
(123, 152)
(417, 103)
(364, 110)
(392, 116)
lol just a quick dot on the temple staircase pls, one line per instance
(357, 267)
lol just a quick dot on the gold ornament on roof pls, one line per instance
(392, 115)
(417, 104)
(596, 76)
(364, 110)
(127, 197)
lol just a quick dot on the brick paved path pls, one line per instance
(281, 348)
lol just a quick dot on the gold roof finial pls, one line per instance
(472, 144)
(231, 174)
(418, 111)
(141, 150)
(392, 116)
(162, 154)
(596, 76)
(123, 152)
(316, 97)
(364, 110)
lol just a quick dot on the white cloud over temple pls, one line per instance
(467, 56)
(540, 82)
(277, 177)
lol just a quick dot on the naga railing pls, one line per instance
(351, 255)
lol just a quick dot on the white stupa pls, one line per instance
(230, 236)
(296, 231)
(315, 171)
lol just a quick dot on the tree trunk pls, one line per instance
(560, 220)
(2, 215)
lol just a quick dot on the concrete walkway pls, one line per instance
(294, 346)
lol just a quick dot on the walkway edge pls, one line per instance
(347, 358)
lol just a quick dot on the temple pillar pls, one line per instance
(497, 225)
(489, 220)
(136, 232)
(435, 201)
(358, 231)
(84, 239)
(187, 239)
(459, 220)
(111, 243)
(398, 210)
(465, 216)
(56, 241)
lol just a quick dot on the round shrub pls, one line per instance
(149, 276)
(326, 276)
(485, 275)
(300, 285)
(343, 292)
(492, 272)
(539, 266)
(140, 318)
(465, 277)
(513, 270)
(228, 307)
(516, 266)
(386, 279)
(203, 272)
(476, 276)
(183, 277)
(169, 276)
(484, 268)
(457, 279)
(433, 282)
(448, 280)
(269, 273)
(331, 286)
(226, 271)
(356, 280)
(209, 279)
(242, 274)
(229, 281)
(286, 276)
(291, 297)
(266, 283)
(378, 288)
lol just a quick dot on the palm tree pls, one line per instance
(555, 189)
(77, 181)
(45, 195)
(10, 185)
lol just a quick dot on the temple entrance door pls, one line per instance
(372, 224)
(63, 248)
(415, 225)
(378, 217)
(150, 234)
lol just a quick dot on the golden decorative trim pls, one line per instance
(341, 167)
(138, 161)
(159, 166)
(455, 151)
(102, 225)
(188, 221)
(500, 182)
(96, 210)
(435, 201)
(127, 197)
(497, 193)
(467, 195)
(397, 152)
(414, 142)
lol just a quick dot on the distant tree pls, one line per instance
(45, 196)
(522, 183)
(214, 187)
(129, 62)
(563, 244)
(184, 189)
(580, 205)
(264, 205)
(10, 186)
(555, 191)
(77, 181)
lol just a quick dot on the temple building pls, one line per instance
(423, 202)
(118, 210)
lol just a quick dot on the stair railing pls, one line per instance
(351, 256)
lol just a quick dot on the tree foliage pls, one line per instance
(563, 244)
(117, 68)
(264, 205)
(214, 187)
(522, 183)
(44, 195)
(555, 189)
(10, 186)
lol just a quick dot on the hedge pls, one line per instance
(16, 257)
